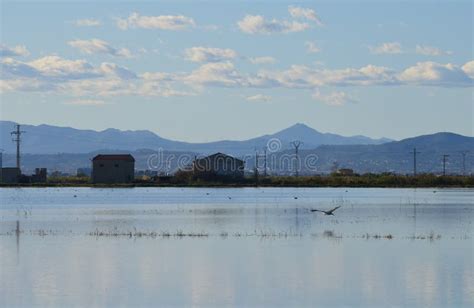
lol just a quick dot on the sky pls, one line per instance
(201, 71)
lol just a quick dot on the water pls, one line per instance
(236, 247)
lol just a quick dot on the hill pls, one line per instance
(47, 139)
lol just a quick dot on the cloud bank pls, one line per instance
(54, 74)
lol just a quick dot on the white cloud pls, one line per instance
(224, 74)
(432, 73)
(16, 51)
(54, 73)
(299, 12)
(301, 76)
(431, 51)
(101, 87)
(337, 98)
(259, 98)
(311, 47)
(97, 46)
(262, 60)
(163, 22)
(88, 22)
(112, 69)
(468, 69)
(386, 48)
(86, 102)
(79, 78)
(257, 24)
(207, 54)
(221, 74)
(57, 67)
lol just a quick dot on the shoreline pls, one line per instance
(72, 185)
(356, 181)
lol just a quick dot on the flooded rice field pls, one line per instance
(236, 247)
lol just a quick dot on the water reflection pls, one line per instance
(275, 252)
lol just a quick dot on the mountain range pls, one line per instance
(47, 139)
(66, 149)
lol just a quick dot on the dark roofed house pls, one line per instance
(10, 175)
(113, 168)
(219, 164)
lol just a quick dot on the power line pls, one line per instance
(17, 138)
(296, 145)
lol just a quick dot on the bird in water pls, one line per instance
(330, 212)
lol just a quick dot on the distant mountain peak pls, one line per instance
(71, 140)
(300, 126)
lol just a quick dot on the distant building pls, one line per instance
(115, 168)
(40, 175)
(219, 164)
(10, 175)
(345, 172)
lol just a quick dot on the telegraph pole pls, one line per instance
(464, 154)
(445, 156)
(265, 162)
(414, 160)
(296, 145)
(256, 166)
(16, 135)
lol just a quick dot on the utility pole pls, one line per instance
(445, 156)
(256, 166)
(414, 160)
(296, 145)
(265, 162)
(464, 154)
(16, 135)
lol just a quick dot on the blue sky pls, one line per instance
(208, 70)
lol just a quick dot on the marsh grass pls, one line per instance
(263, 234)
(431, 236)
(152, 234)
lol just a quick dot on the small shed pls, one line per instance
(10, 175)
(113, 168)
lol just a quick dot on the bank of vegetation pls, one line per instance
(189, 180)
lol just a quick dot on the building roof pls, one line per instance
(124, 157)
(220, 155)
